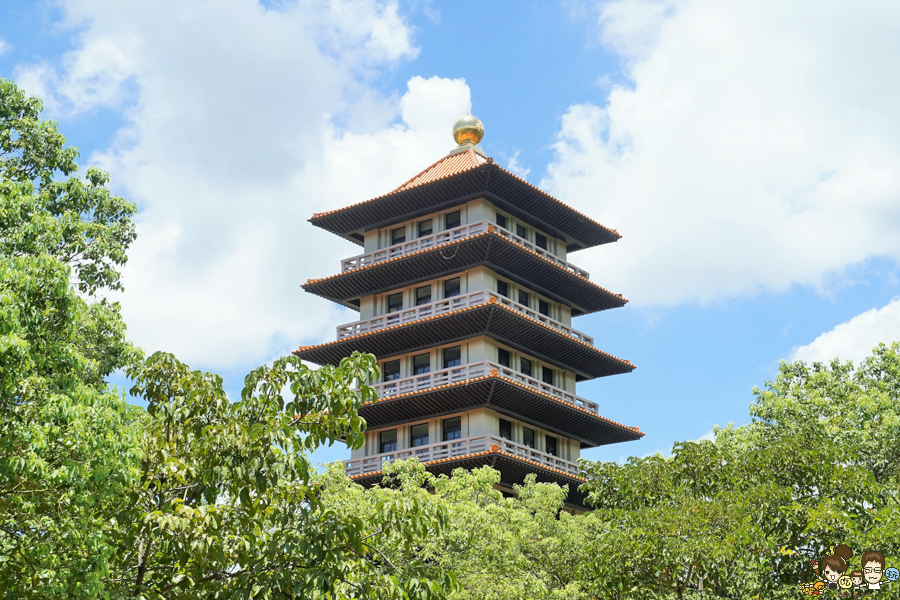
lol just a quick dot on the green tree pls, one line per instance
(227, 506)
(68, 443)
(742, 516)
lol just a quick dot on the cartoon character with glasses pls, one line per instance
(875, 574)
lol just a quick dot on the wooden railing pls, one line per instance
(450, 304)
(460, 447)
(418, 383)
(452, 235)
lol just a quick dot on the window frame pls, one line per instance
(526, 431)
(426, 366)
(545, 370)
(458, 357)
(544, 307)
(388, 304)
(458, 281)
(527, 371)
(501, 220)
(413, 438)
(537, 241)
(500, 357)
(394, 241)
(418, 299)
(555, 450)
(381, 441)
(503, 288)
(523, 294)
(447, 218)
(457, 429)
(521, 231)
(384, 370)
(500, 431)
(430, 227)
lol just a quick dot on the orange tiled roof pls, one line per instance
(454, 164)
(460, 310)
(476, 454)
(494, 373)
(431, 248)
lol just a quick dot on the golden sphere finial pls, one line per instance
(468, 130)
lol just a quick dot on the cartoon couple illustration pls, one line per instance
(870, 577)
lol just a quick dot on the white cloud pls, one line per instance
(513, 165)
(855, 339)
(756, 147)
(4, 46)
(244, 122)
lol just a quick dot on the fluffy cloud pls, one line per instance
(243, 122)
(854, 339)
(756, 146)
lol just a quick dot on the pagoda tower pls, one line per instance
(466, 298)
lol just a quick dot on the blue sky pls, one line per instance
(747, 152)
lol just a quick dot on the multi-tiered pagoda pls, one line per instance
(466, 297)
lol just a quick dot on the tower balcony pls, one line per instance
(462, 248)
(454, 235)
(514, 461)
(466, 316)
(469, 372)
(457, 448)
(448, 305)
(504, 390)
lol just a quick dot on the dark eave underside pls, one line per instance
(489, 319)
(505, 397)
(512, 472)
(488, 181)
(503, 256)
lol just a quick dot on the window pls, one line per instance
(387, 441)
(550, 445)
(395, 302)
(506, 429)
(452, 429)
(451, 288)
(501, 220)
(452, 357)
(418, 435)
(503, 288)
(540, 240)
(421, 364)
(426, 227)
(423, 295)
(523, 298)
(544, 307)
(398, 236)
(503, 357)
(525, 366)
(451, 220)
(520, 231)
(547, 375)
(528, 437)
(391, 370)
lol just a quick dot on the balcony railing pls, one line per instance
(452, 235)
(418, 383)
(461, 447)
(450, 304)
